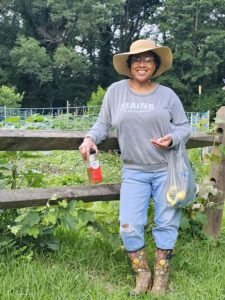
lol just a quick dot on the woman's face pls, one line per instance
(142, 66)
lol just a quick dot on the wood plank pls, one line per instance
(214, 213)
(200, 140)
(40, 196)
(43, 140)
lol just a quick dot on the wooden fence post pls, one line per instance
(214, 214)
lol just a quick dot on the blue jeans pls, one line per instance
(137, 189)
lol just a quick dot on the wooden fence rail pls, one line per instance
(40, 196)
(27, 140)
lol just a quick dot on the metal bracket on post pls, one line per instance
(214, 213)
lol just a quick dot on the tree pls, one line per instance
(195, 32)
(62, 50)
(9, 97)
(70, 71)
(127, 23)
(31, 59)
(32, 66)
(73, 24)
(94, 30)
(132, 21)
(97, 97)
(9, 27)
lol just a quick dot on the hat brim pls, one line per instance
(165, 54)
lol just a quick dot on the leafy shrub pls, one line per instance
(212, 101)
(97, 98)
(32, 60)
(65, 180)
(9, 97)
(22, 230)
(35, 118)
(14, 119)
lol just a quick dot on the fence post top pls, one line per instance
(221, 111)
(220, 117)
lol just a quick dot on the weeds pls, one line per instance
(89, 262)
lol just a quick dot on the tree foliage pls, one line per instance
(97, 97)
(31, 60)
(9, 97)
(62, 50)
(195, 32)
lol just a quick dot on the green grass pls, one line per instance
(68, 168)
(86, 267)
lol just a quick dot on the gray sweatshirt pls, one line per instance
(137, 118)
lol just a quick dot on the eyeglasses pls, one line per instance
(148, 60)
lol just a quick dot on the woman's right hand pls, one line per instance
(86, 146)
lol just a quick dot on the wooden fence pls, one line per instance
(18, 140)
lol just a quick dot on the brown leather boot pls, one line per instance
(161, 271)
(139, 261)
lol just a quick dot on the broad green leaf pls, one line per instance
(16, 229)
(86, 216)
(72, 205)
(30, 218)
(51, 244)
(201, 218)
(69, 221)
(184, 224)
(6, 241)
(63, 203)
(20, 218)
(33, 231)
(50, 218)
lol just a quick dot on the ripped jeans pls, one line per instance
(137, 189)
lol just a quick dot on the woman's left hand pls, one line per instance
(162, 142)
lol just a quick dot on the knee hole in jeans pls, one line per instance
(126, 228)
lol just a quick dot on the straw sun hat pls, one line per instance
(140, 46)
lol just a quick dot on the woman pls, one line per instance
(149, 119)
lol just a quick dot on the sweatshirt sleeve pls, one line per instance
(100, 129)
(181, 128)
